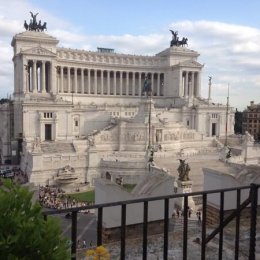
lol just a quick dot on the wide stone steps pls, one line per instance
(54, 147)
(178, 224)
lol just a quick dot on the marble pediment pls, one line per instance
(39, 51)
(190, 64)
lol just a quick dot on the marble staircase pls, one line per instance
(57, 147)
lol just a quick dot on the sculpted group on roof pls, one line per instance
(34, 25)
(175, 40)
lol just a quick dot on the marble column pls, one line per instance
(198, 84)
(102, 81)
(158, 84)
(68, 72)
(127, 83)
(75, 80)
(108, 82)
(133, 84)
(51, 77)
(61, 79)
(192, 85)
(186, 84)
(152, 82)
(43, 77)
(95, 81)
(89, 82)
(82, 81)
(114, 83)
(140, 84)
(34, 77)
(181, 84)
(25, 72)
(121, 83)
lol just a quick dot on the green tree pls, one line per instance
(24, 234)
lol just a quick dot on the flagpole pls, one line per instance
(227, 116)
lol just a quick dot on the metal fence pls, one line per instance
(235, 214)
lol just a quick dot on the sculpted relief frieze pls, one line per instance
(170, 136)
(39, 51)
(108, 137)
(134, 136)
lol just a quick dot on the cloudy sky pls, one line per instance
(225, 33)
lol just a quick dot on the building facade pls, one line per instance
(251, 120)
(64, 100)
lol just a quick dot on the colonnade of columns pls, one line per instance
(38, 76)
(104, 82)
(190, 86)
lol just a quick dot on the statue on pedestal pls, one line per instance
(183, 171)
(37, 145)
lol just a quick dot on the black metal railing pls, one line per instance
(235, 214)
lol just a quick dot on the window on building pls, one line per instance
(76, 123)
(47, 115)
(188, 122)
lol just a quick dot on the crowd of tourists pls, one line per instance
(15, 174)
(55, 198)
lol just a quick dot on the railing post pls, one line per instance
(166, 228)
(123, 231)
(203, 228)
(145, 218)
(74, 235)
(253, 196)
(221, 227)
(237, 225)
(99, 227)
(185, 227)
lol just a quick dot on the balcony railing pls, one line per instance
(249, 202)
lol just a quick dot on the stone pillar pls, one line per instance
(61, 80)
(192, 85)
(140, 84)
(198, 84)
(133, 84)
(102, 81)
(108, 82)
(89, 82)
(25, 123)
(55, 126)
(209, 94)
(95, 81)
(93, 165)
(68, 71)
(114, 83)
(152, 81)
(127, 83)
(158, 84)
(82, 81)
(121, 83)
(186, 86)
(34, 77)
(25, 73)
(181, 85)
(184, 187)
(53, 88)
(75, 80)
